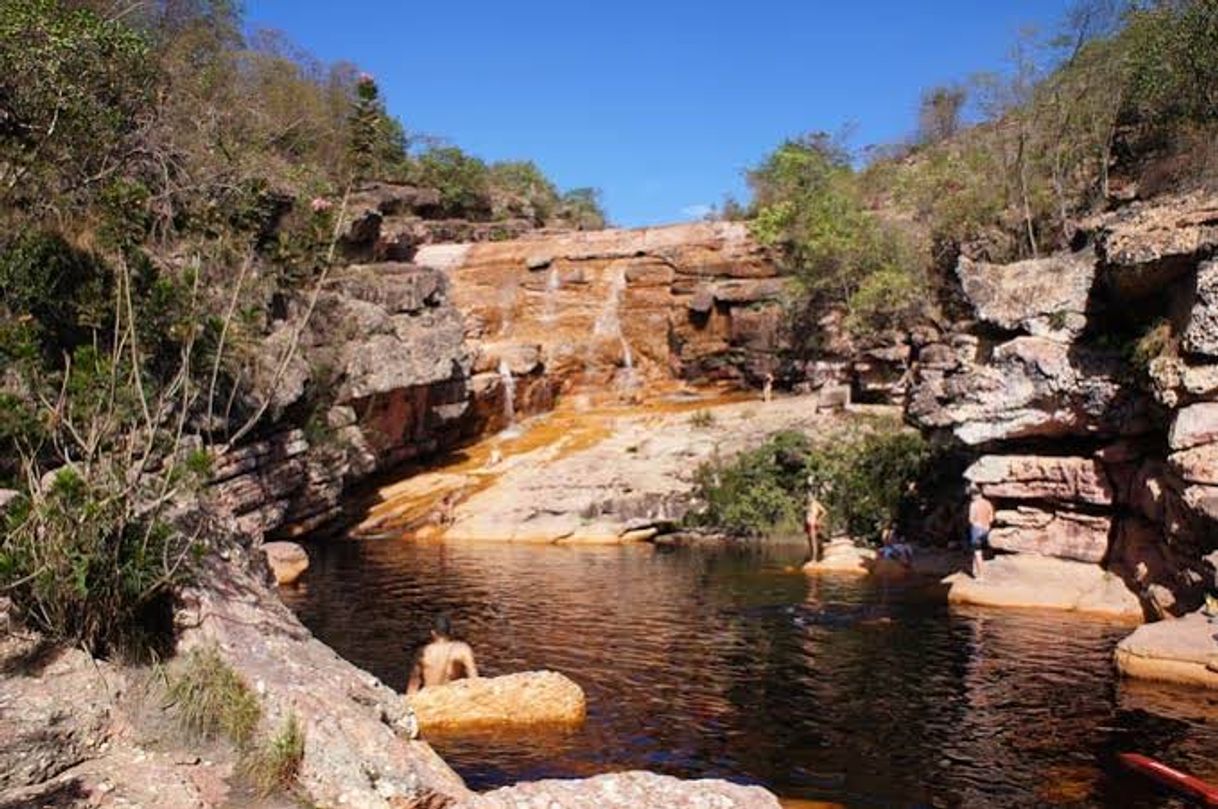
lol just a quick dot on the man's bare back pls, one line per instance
(981, 512)
(442, 660)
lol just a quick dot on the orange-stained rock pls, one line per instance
(287, 560)
(524, 699)
(687, 299)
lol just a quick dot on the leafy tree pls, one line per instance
(74, 89)
(462, 180)
(378, 142)
(809, 205)
(527, 189)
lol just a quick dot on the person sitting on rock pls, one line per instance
(442, 660)
(896, 548)
(980, 520)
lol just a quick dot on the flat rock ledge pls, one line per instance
(1182, 651)
(1043, 582)
(627, 790)
(532, 698)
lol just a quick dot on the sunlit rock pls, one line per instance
(287, 560)
(513, 700)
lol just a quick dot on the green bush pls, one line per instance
(80, 564)
(861, 476)
(462, 180)
(758, 492)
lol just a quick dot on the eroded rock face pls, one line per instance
(627, 790)
(1061, 533)
(1201, 336)
(699, 300)
(1032, 387)
(1038, 477)
(1041, 297)
(499, 703)
(355, 753)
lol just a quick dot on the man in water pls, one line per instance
(814, 521)
(980, 520)
(442, 660)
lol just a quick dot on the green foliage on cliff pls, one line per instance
(809, 205)
(862, 476)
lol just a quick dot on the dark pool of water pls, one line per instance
(720, 664)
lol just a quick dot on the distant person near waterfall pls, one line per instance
(442, 660)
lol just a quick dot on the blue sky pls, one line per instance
(660, 104)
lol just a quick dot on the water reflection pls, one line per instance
(720, 664)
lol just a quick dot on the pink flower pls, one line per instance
(320, 204)
(366, 78)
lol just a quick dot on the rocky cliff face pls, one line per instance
(419, 344)
(1087, 455)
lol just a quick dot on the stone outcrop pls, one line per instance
(513, 701)
(1086, 460)
(1029, 580)
(384, 354)
(628, 790)
(1042, 297)
(1181, 651)
(287, 561)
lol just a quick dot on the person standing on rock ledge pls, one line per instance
(442, 660)
(980, 520)
(814, 521)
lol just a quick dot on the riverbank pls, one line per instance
(588, 473)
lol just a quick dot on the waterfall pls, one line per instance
(509, 394)
(553, 284)
(609, 324)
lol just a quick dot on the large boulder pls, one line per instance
(1044, 297)
(287, 561)
(1181, 651)
(627, 790)
(1149, 244)
(513, 700)
(1030, 580)
(1039, 477)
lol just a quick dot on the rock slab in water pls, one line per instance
(628, 790)
(514, 700)
(1174, 651)
(287, 560)
(1030, 580)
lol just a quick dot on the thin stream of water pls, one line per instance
(721, 664)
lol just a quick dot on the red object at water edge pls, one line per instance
(1182, 782)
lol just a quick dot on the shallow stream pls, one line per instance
(721, 663)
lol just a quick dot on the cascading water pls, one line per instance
(509, 395)
(609, 325)
(553, 284)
